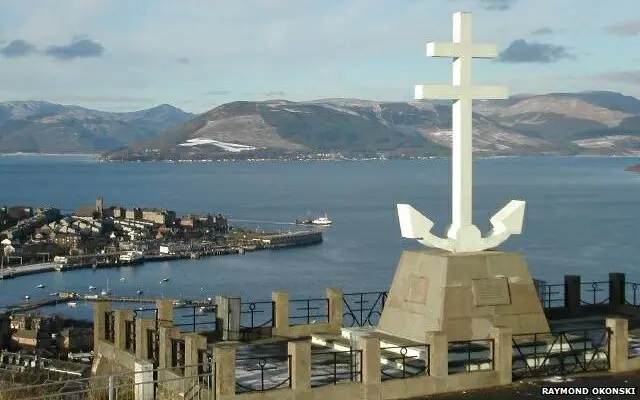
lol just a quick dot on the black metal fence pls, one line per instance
(594, 293)
(561, 353)
(195, 318)
(401, 362)
(330, 367)
(471, 355)
(256, 320)
(363, 309)
(552, 295)
(632, 294)
(308, 311)
(259, 374)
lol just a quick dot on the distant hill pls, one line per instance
(556, 123)
(43, 127)
(548, 124)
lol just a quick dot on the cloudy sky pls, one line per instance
(196, 54)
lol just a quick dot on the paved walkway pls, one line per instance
(533, 389)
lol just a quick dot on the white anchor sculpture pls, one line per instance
(463, 235)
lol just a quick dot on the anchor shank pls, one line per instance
(462, 166)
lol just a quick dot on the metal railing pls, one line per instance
(402, 362)
(308, 311)
(471, 355)
(590, 293)
(257, 314)
(632, 295)
(262, 373)
(363, 309)
(552, 295)
(195, 318)
(561, 353)
(330, 367)
(155, 383)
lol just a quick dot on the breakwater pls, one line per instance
(110, 260)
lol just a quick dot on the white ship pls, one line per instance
(322, 221)
(131, 257)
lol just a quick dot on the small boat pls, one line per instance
(165, 280)
(41, 286)
(324, 221)
(123, 279)
(72, 304)
(105, 291)
(139, 292)
(92, 287)
(54, 294)
(202, 310)
(27, 297)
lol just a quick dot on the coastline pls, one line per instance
(21, 154)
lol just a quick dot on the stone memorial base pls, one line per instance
(463, 294)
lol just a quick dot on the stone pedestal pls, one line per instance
(462, 294)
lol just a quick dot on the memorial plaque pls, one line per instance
(418, 286)
(491, 292)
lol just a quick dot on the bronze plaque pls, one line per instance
(491, 292)
(418, 286)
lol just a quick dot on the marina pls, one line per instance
(127, 258)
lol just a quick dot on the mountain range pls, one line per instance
(43, 127)
(550, 124)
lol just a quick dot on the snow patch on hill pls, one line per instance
(231, 147)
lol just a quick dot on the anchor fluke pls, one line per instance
(413, 225)
(510, 218)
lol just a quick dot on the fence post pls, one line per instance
(142, 341)
(225, 372)
(235, 315)
(502, 353)
(281, 313)
(438, 354)
(228, 314)
(99, 326)
(336, 300)
(193, 345)
(112, 387)
(370, 367)
(143, 380)
(616, 289)
(572, 293)
(619, 344)
(165, 348)
(165, 312)
(300, 352)
(121, 317)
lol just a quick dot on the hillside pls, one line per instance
(43, 127)
(346, 126)
(548, 124)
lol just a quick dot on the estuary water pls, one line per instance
(582, 217)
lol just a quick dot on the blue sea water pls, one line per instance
(582, 218)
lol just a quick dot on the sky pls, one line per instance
(122, 55)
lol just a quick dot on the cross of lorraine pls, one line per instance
(463, 235)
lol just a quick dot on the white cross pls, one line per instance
(462, 235)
